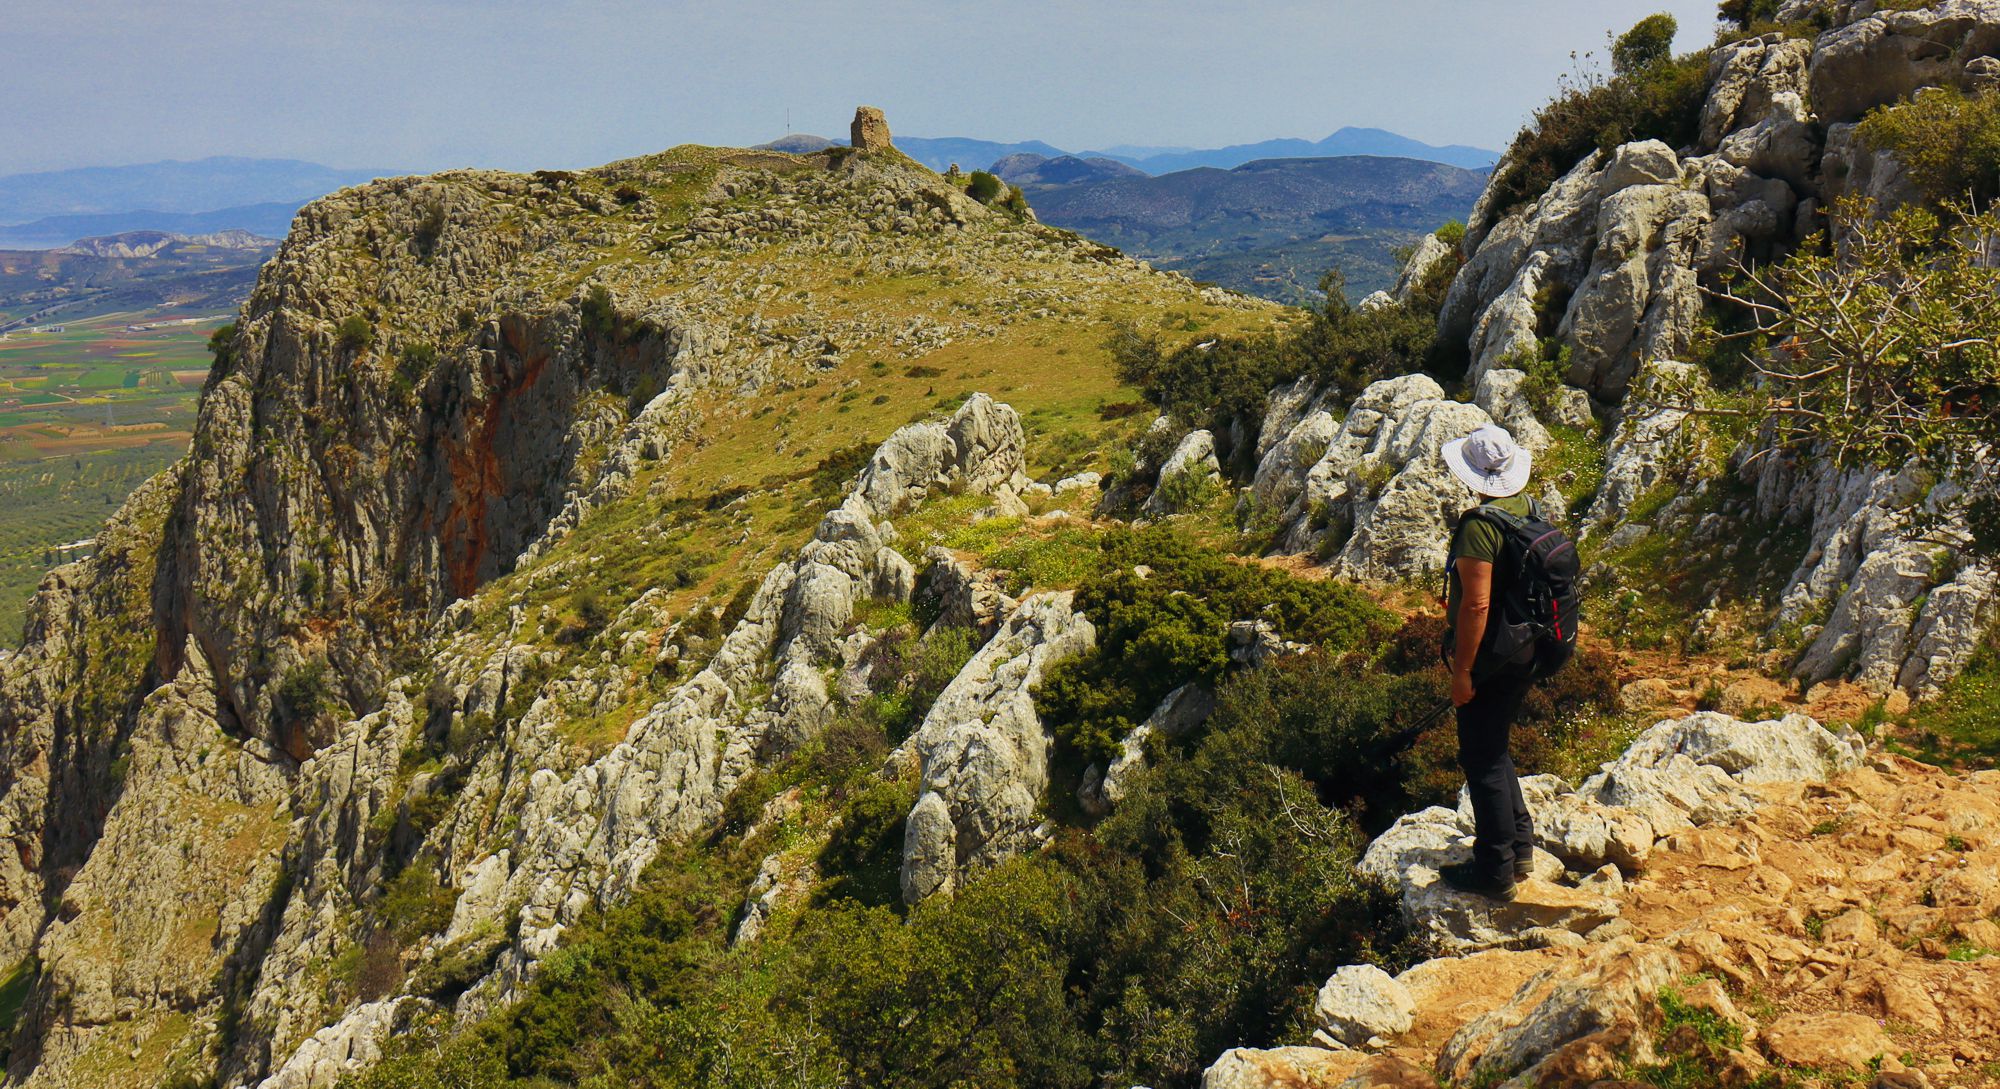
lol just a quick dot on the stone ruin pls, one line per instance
(870, 130)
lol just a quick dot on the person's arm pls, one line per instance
(1475, 601)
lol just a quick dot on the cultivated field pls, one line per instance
(86, 414)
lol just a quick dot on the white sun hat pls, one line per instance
(1489, 462)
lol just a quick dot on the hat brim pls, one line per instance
(1499, 485)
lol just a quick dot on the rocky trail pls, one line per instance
(1833, 930)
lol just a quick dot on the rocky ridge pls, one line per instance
(354, 681)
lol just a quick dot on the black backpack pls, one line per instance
(1534, 591)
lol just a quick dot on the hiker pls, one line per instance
(1492, 661)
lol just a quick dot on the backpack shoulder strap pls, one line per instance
(1506, 522)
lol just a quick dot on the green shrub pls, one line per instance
(413, 365)
(1171, 626)
(984, 187)
(1660, 101)
(1886, 355)
(864, 854)
(1948, 141)
(919, 668)
(1744, 13)
(1214, 382)
(1650, 42)
(306, 693)
(222, 346)
(415, 904)
(354, 333)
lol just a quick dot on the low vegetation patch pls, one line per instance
(1163, 604)
(1649, 95)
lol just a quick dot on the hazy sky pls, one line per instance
(428, 84)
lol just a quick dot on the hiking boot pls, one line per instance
(1468, 877)
(1524, 867)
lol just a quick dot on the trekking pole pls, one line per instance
(1408, 734)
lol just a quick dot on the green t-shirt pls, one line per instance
(1480, 539)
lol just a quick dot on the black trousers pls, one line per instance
(1502, 829)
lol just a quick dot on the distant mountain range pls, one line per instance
(270, 220)
(135, 271)
(201, 185)
(53, 208)
(1266, 217)
(1039, 172)
(1348, 141)
(940, 153)
(1269, 227)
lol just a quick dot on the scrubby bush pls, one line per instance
(1159, 630)
(222, 346)
(984, 187)
(1345, 347)
(354, 333)
(1880, 355)
(1661, 100)
(1744, 13)
(1648, 43)
(1214, 382)
(1947, 140)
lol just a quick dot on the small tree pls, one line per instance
(1885, 352)
(984, 187)
(1649, 42)
(355, 333)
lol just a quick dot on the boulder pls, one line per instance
(1281, 472)
(1532, 254)
(349, 1045)
(1639, 299)
(1182, 710)
(930, 855)
(1645, 162)
(1406, 857)
(1194, 453)
(1745, 79)
(1362, 1001)
(1645, 694)
(1587, 835)
(1888, 55)
(1651, 443)
(963, 597)
(1279, 1068)
(1430, 253)
(1611, 988)
(1693, 770)
(1502, 393)
(1381, 490)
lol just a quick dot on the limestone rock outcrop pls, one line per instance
(1377, 502)
(981, 754)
